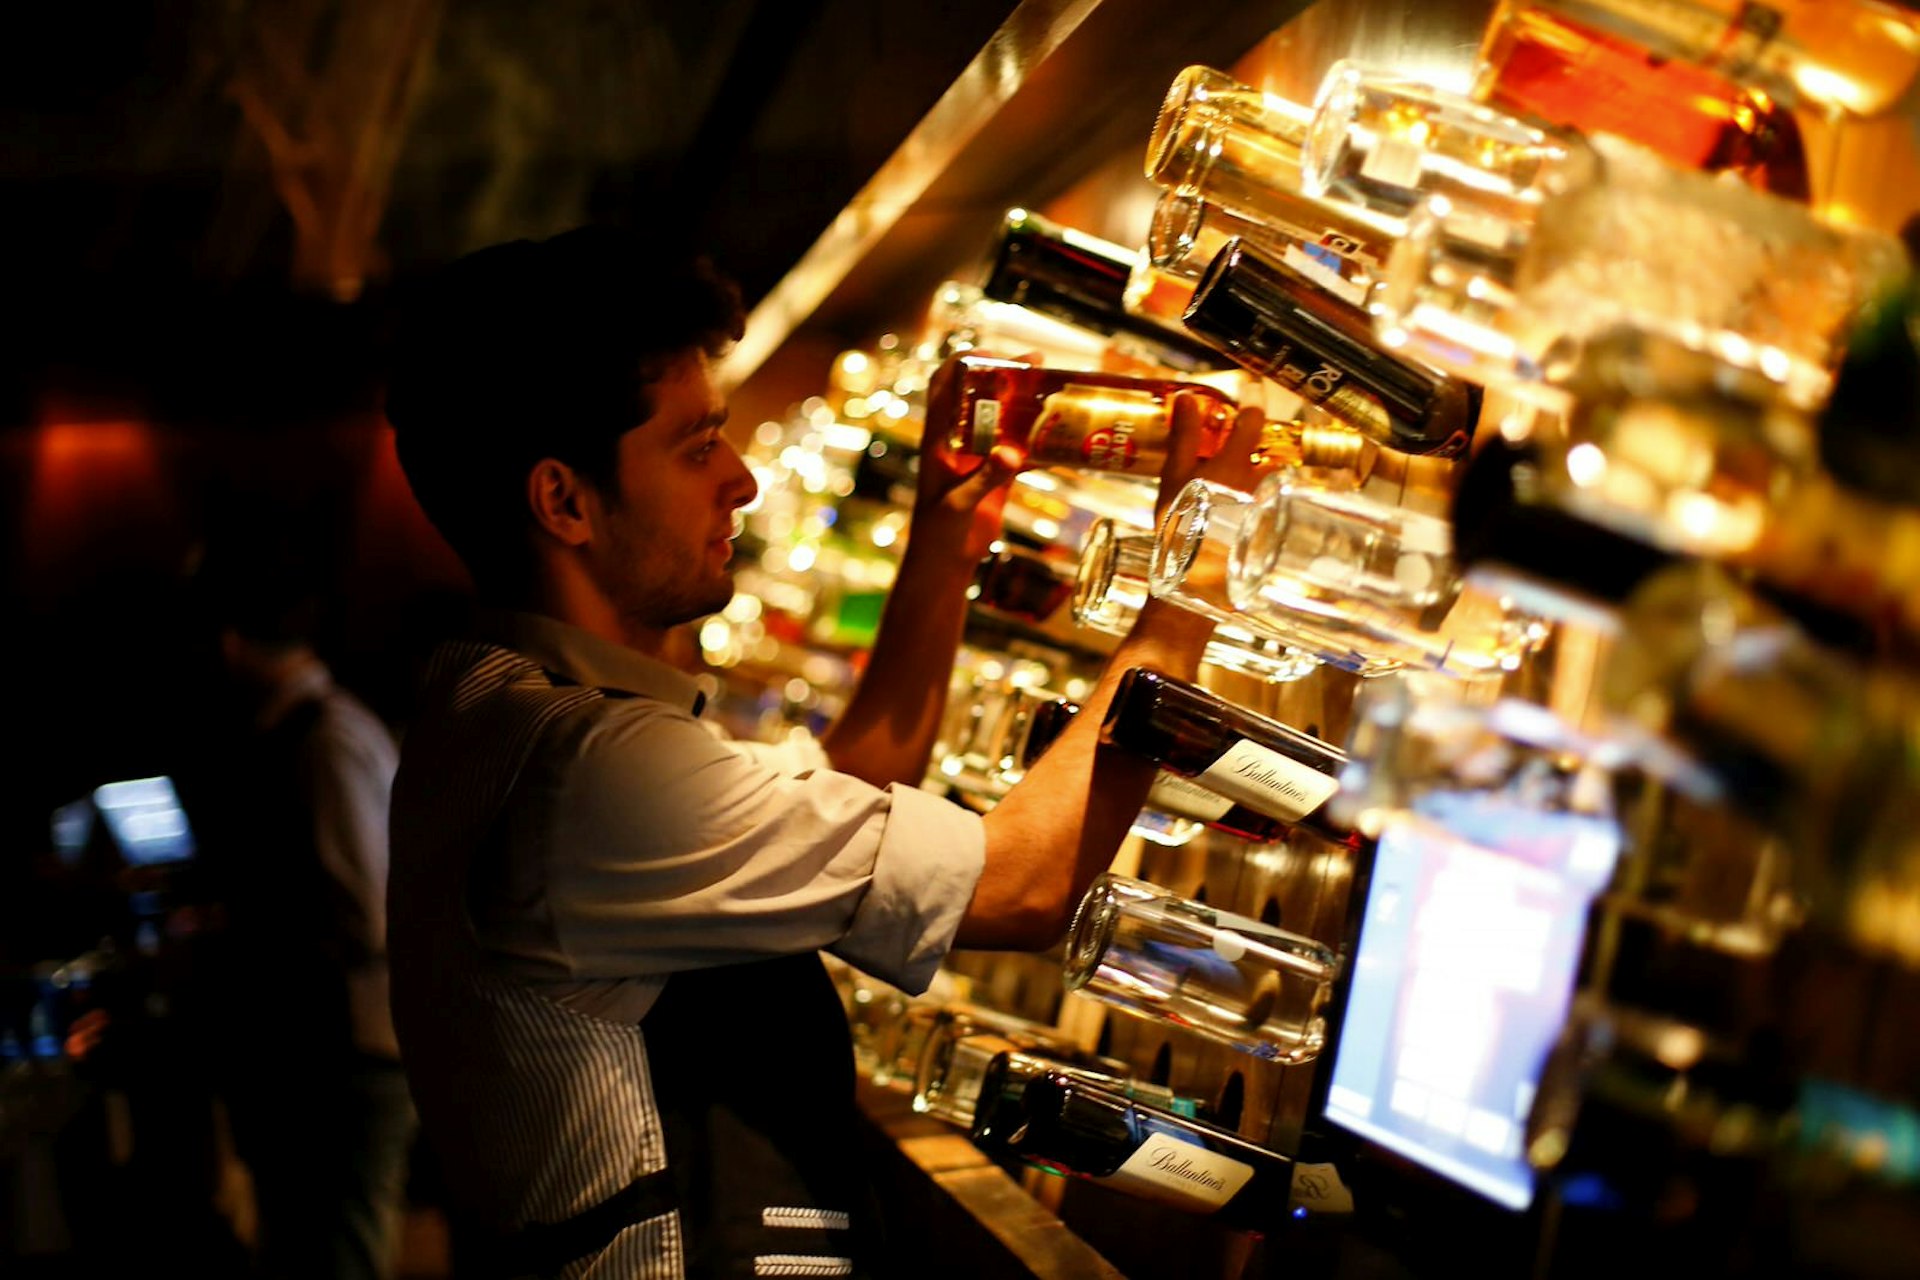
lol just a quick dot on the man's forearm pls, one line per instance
(887, 730)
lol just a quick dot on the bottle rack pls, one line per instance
(1689, 900)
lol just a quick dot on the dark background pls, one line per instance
(207, 213)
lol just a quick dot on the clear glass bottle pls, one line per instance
(1070, 1126)
(1082, 280)
(1535, 61)
(1838, 57)
(1282, 326)
(960, 1042)
(1631, 239)
(1248, 985)
(954, 1068)
(1187, 233)
(1381, 578)
(1239, 755)
(1113, 585)
(1190, 566)
(1387, 143)
(1239, 150)
(1076, 418)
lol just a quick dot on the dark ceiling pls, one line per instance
(198, 199)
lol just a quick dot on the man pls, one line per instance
(605, 918)
(293, 817)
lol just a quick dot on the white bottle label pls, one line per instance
(1267, 782)
(1318, 1189)
(1180, 1173)
(1325, 276)
(1184, 798)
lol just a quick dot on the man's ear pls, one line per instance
(558, 500)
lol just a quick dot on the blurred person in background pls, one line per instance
(292, 815)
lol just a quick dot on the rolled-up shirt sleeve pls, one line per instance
(664, 847)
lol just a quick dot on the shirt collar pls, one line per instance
(588, 659)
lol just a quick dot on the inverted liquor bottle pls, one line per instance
(1381, 578)
(1190, 566)
(1238, 150)
(1112, 585)
(959, 1043)
(1248, 985)
(1072, 1127)
(1082, 279)
(1538, 62)
(1186, 233)
(1387, 143)
(962, 1073)
(1634, 240)
(1077, 418)
(1838, 57)
(1238, 754)
(1282, 326)
(1171, 794)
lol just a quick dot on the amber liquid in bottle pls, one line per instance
(1076, 418)
(1540, 64)
(1280, 325)
(1171, 793)
(1241, 755)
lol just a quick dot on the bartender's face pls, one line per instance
(667, 529)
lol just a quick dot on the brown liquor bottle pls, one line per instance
(1280, 325)
(1241, 755)
(1077, 418)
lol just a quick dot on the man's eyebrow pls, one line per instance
(717, 418)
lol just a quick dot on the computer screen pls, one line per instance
(145, 819)
(1469, 942)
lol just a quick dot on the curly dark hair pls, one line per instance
(539, 349)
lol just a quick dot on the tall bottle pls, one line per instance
(1538, 60)
(1186, 233)
(1838, 57)
(1627, 238)
(1383, 578)
(1112, 585)
(1171, 793)
(1191, 566)
(1251, 986)
(1239, 150)
(1074, 1128)
(1280, 325)
(1077, 418)
(1082, 279)
(960, 319)
(955, 1069)
(1241, 755)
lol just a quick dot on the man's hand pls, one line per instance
(1237, 464)
(959, 499)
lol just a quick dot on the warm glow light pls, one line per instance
(1586, 465)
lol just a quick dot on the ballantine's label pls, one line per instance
(1184, 798)
(1180, 1173)
(1267, 782)
(1100, 428)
